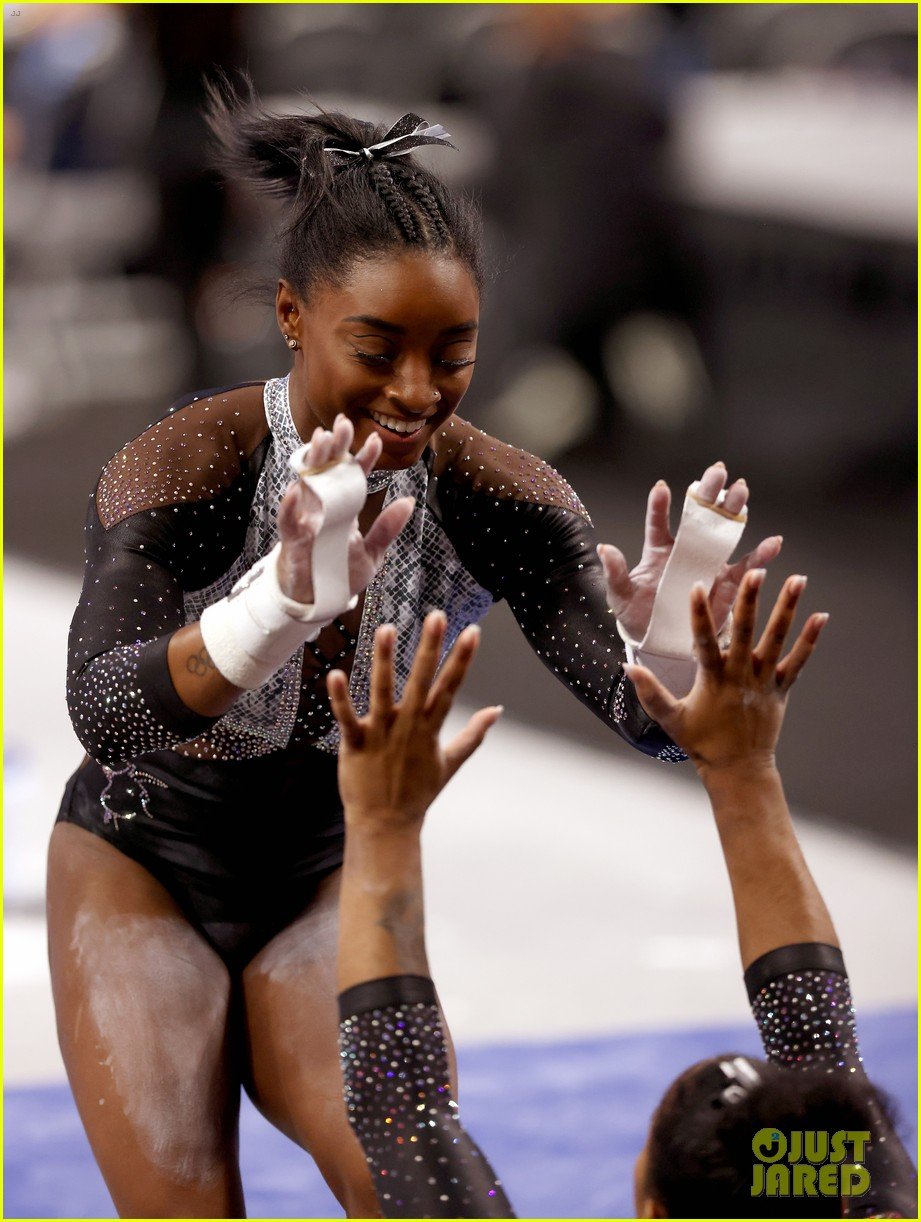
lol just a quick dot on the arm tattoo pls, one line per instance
(403, 920)
(199, 663)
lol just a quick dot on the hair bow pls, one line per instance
(730, 1081)
(407, 133)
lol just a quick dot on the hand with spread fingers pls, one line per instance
(631, 594)
(300, 516)
(391, 763)
(734, 711)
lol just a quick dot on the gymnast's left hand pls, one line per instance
(632, 594)
(391, 763)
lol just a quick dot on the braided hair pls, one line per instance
(341, 207)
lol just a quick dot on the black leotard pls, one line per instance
(395, 1067)
(178, 515)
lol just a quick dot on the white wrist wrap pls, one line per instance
(252, 632)
(706, 538)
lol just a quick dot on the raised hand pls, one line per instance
(300, 517)
(391, 763)
(734, 711)
(632, 594)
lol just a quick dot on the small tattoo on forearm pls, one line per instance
(403, 920)
(199, 663)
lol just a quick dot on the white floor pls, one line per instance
(569, 892)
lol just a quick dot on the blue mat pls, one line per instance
(561, 1122)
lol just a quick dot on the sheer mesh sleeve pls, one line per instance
(169, 513)
(397, 1089)
(801, 999)
(526, 537)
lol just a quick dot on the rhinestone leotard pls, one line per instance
(177, 516)
(182, 512)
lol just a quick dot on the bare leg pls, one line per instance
(292, 1019)
(142, 1007)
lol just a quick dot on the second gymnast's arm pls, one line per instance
(795, 974)
(393, 1048)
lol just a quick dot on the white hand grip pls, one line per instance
(707, 536)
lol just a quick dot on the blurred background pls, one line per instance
(701, 223)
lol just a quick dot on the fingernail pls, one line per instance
(742, 482)
(779, 538)
(498, 709)
(798, 584)
(658, 482)
(699, 588)
(473, 631)
(823, 618)
(719, 463)
(757, 576)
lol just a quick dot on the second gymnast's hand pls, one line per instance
(300, 517)
(391, 763)
(631, 594)
(732, 715)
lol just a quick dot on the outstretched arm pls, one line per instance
(729, 724)
(795, 975)
(394, 1054)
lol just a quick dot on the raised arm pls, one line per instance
(394, 1053)
(794, 970)
(729, 725)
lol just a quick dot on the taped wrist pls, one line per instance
(707, 536)
(252, 632)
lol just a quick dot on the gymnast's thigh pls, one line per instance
(292, 1021)
(144, 1022)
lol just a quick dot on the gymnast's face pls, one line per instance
(392, 348)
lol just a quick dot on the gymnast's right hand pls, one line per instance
(731, 718)
(300, 516)
(391, 763)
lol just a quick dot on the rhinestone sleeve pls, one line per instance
(168, 514)
(525, 536)
(397, 1090)
(801, 1000)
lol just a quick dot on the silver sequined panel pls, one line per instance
(806, 1019)
(269, 711)
(421, 573)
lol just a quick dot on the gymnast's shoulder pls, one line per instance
(195, 452)
(471, 462)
